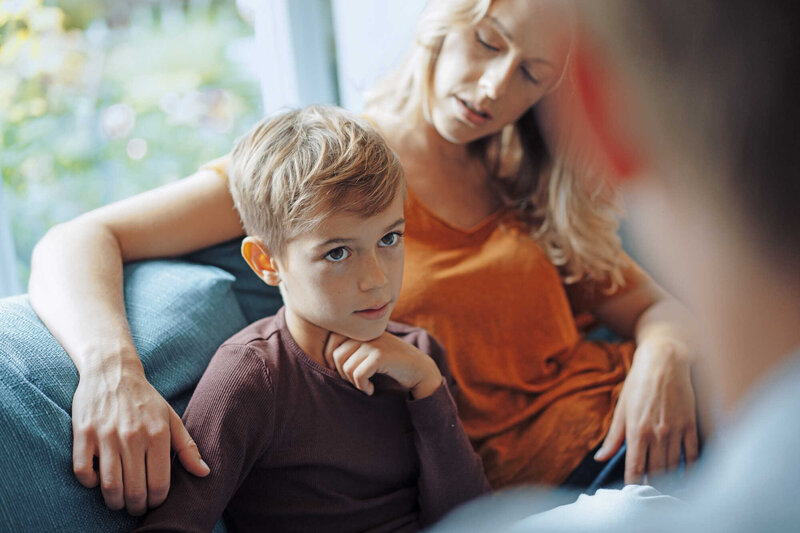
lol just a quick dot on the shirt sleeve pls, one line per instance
(231, 418)
(451, 473)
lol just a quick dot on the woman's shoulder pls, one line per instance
(218, 165)
(394, 128)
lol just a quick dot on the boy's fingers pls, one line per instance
(363, 373)
(352, 363)
(343, 353)
(333, 341)
(184, 445)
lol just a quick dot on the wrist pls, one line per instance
(666, 348)
(103, 361)
(428, 384)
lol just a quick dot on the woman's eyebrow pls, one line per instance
(502, 29)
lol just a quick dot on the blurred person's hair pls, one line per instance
(720, 78)
(292, 170)
(574, 217)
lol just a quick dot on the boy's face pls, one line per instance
(345, 276)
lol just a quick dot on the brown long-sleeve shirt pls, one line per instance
(293, 446)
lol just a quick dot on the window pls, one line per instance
(101, 100)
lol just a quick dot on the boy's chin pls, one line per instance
(367, 333)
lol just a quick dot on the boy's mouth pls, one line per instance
(374, 312)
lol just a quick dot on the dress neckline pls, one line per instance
(455, 227)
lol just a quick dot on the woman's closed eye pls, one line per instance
(485, 42)
(530, 77)
(337, 254)
(390, 239)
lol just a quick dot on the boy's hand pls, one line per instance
(358, 361)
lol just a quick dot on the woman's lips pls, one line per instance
(374, 313)
(471, 114)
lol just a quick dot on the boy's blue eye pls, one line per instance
(337, 254)
(390, 239)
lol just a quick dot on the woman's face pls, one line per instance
(489, 74)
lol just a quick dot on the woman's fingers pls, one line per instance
(674, 452)
(615, 436)
(657, 456)
(185, 447)
(111, 476)
(83, 453)
(157, 462)
(690, 445)
(134, 474)
(635, 461)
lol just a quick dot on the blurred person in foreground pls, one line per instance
(693, 107)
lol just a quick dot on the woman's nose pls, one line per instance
(497, 77)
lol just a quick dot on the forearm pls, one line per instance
(451, 473)
(76, 289)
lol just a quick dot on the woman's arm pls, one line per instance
(656, 411)
(76, 289)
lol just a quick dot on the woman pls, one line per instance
(496, 230)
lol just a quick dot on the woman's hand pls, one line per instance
(123, 421)
(655, 413)
(358, 361)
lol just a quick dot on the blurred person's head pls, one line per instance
(320, 195)
(477, 74)
(694, 105)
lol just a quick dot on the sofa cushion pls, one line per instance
(179, 314)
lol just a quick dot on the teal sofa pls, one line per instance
(179, 311)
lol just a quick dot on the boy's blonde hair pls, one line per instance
(292, 170)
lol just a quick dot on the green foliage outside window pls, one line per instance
(100, 100)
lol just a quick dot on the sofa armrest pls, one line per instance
(179, 314)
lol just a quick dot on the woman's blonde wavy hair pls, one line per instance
(572, 214)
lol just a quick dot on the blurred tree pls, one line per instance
(100, 100)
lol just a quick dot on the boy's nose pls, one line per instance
(373, 275)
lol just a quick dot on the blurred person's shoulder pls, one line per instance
(750, 477)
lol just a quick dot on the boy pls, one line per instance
(324, 417)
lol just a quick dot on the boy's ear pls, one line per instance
(261, 261)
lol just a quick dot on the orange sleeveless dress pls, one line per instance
(534, 396)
